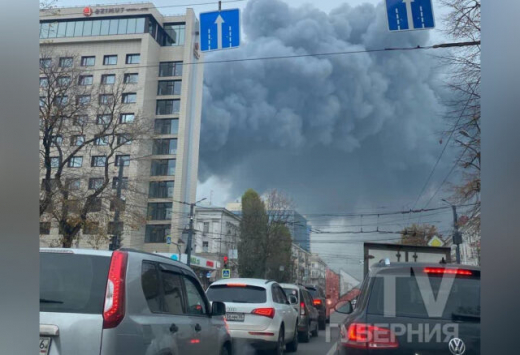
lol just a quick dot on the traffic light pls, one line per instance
(225, 262)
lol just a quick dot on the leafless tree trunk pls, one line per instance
(81, 122)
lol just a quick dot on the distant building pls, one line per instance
(318, 271)
(296, 223)
(302, 264)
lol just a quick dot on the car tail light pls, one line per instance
(266, 312)
(317, 302)
(441, 270)
(236, 285)
(302, 308)
(365, 336)
(114, 309)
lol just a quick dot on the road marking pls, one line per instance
(398, 19)
(332, 350)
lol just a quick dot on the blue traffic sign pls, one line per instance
(219, 30)
(226, 273)
(168, 240)
(406, 15)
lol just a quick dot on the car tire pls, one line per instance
(304, 336)
(292, 347)
(225, 351)
(315, 332)
(322, 325)
(278, 350)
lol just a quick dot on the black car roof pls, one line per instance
(401, 265)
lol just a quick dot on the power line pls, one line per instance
(325, 54)
(155, 7)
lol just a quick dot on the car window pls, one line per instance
(150, 285)
(290, 291)
(195, 298)
(173, 298)
(238, 294)
(308, 298)
(280, 295)
(72, 283)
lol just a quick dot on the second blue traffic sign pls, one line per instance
(405, 15)
(219, 30)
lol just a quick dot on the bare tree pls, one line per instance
(84, 124)
(462, 22)
(419, 234)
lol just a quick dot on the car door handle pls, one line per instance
(198, 328)
(174, 328)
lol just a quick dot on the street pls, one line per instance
(318, 345)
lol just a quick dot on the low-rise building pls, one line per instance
(302, 264)
(318, 271)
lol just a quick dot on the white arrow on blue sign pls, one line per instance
(219, 30)
(406, 15)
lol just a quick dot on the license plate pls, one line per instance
(235, 317)
(45, 344)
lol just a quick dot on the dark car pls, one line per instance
(412, 308)
(319, 302)
(308, 321)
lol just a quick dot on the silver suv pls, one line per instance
(125, 302)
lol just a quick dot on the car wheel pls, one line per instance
(304, 336)
(224, 351)
(280, 344)
(315, 331)
(292, 347)
(322, 324)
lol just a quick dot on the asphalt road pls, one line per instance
(317, 346)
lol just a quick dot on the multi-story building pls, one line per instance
(318, 271)
(217, 232)
(137, 41)
(302, 264)
(296, 223)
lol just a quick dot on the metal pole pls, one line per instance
(456, 234)
(116, 239)
(190, 234)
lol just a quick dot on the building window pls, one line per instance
(119, 204)
(176, 32)
(83, 99)
(169, 87)
(75, 162)
(108, 79)
(95, 183)
(101, 140)
(205, 247)
(124, 183)
(44, 82)
(57, 140)
(168, 107)
(133, 58)
(205, 228)
(163, 167)
(99, 160)
(106, 99)
(42, 101)
(170, 69)
(161, 189)
(124, 139)
(157, 233)
(160, 211)
(95, 205)
(88, 61)
(45, 62)
(104, 119)
(85, 80)
(131, 78)
(52, 184)
(45, 228)
(125, 159)
(129, 98)
(63, 81)
(77, 140)
(80, 120)
(73, 184)
(164, 147)
(126, 118)
(55, 162)
(61, 100)
(167, 126)
(91, 228)
(66, 62)
(110, 60)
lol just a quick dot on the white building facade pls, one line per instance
(137, 39)
(318, 271)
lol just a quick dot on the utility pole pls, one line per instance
(116, 238)
(190, 231)
(457, 237)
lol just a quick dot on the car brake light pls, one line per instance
(266, 312)
(365, 336)
(236, 285)
(302, 308)
(440, 270)
(317, 302)
(114, 309)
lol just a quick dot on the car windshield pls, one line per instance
(72, 283)
(414, 298)
(314, 293)
(291, 292)
(237, 294)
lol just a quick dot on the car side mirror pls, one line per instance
(293, 299)
(344, 307)
(218, 308)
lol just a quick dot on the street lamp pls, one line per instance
(457, 237)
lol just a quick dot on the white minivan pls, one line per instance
(258, 314)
